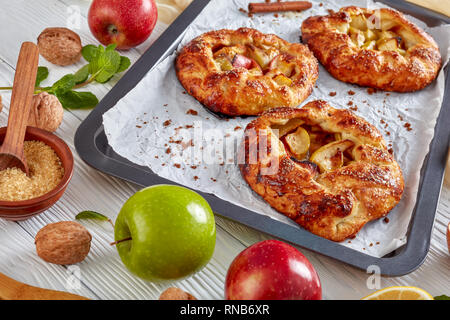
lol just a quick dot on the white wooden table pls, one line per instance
(102, 275)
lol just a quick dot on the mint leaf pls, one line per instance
(63, 85)
(91, 215)
(42, 74)
(105, 65)
(442, 297)
(82, 75)
(111, 47)
(77, 100)
(89, 52)
(124, 64)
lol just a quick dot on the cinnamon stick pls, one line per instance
(279, 6)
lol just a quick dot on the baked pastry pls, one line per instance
(374, 48)
(327, 169)
(244, 71)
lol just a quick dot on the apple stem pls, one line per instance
(119, 241)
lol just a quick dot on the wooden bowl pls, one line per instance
(21, 210)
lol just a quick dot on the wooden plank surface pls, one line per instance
(441, 6)
(102, 275)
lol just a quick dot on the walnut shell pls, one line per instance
(65, 242)
(46, 112)
(60, 46)
(173, 293)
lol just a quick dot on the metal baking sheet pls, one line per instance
(92, 146)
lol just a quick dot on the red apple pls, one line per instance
(272, 270)
(126, 23)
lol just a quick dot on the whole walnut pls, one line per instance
(65, 242)
(60, 46)
(46, 112)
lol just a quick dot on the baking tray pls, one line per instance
(92, 146)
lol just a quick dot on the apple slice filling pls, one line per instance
(281, 129)
(262, 56)
(260, 61)
(389, 37)
(298, 143)
(312, 144)
(331, 156)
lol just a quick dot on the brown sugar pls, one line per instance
(46, 172)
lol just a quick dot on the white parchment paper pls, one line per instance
(160, 126)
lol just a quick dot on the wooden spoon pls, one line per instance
(11, 289)
(11, 151)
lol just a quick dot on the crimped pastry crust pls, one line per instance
(331, 42)
(237, 90)
(335, 204)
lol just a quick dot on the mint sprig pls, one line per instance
(103, 64)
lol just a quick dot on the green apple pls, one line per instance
(165, 232)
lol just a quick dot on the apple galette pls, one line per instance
(327, 169)
(374, 48)
(245, 72)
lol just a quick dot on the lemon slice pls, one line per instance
(400, 293)
(167, 13)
